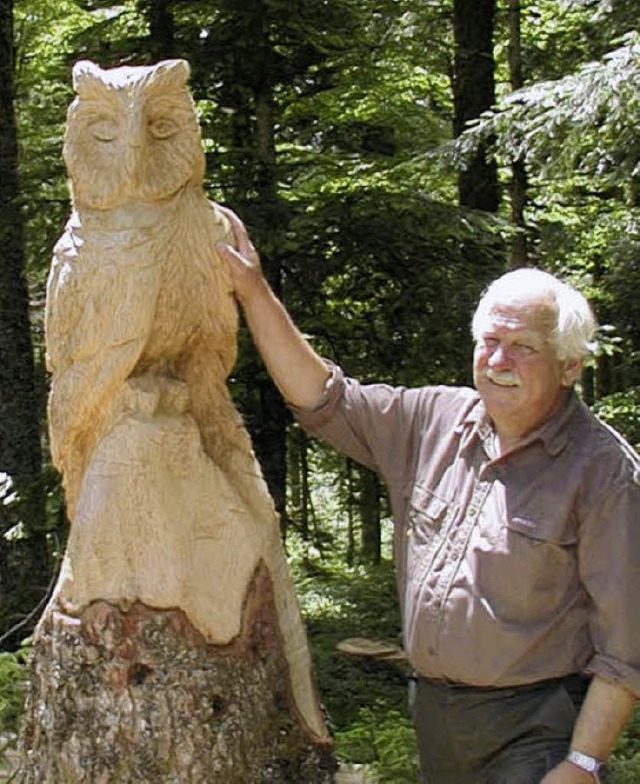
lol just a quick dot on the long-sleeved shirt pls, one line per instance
(511, 569)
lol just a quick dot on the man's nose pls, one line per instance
(499, 357)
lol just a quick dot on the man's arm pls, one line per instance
(604, 714)
(296, 369)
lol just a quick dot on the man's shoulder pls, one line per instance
(435, 406)
(442, 399)
(602, 446)
(454, 399)
(446, 407)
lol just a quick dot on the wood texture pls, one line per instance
(170, 515)
(162, 705)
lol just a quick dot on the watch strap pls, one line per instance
(586, 762)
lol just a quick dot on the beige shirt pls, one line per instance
(510, 570)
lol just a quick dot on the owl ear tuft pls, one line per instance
(85, 73)
(172, 73)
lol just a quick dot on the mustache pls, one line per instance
(506, 378)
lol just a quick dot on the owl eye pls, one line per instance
(163, 128)
(104, 129)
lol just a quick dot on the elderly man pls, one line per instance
(515, 540)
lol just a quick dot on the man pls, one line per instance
(515, 544)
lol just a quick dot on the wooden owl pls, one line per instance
(136, 288)
(171, 516)
(168, 504)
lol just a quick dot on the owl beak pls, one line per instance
(136, 141)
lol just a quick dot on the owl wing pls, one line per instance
(211, 358)
(99, 312)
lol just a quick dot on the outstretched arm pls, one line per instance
(296, 369)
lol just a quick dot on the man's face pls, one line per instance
(516, 370)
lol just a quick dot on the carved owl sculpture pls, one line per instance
(167, 501)
(136, 288)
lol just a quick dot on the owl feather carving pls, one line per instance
(136, 288)
(160, 478)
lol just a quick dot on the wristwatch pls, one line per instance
(587, 763)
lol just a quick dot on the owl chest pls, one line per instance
(182, 316)
(176, 314)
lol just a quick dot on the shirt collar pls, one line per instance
(553, 433)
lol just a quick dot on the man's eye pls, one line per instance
(525, 349)
(491, 342)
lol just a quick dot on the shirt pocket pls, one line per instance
(544, 528)
(539, 575)
(429, 515)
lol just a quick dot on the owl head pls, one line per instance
(132, 134)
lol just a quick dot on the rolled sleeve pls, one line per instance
(609, 558)
(313, 418)
(377, 425)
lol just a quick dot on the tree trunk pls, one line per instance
(474, 93)
(139, 696)
(294, 506)
(305, 496)
(300, 494)
(519, 251)
(255, 195)
(270, 441)
(351, 538)
(370, 515)
(20, 454)
(161, 27)
(272, 449)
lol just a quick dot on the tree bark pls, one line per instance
(139, 696)
(519, 250)
(20, 452)
(19, 426)
(474, 93)
(161, 27)
(305, 506)
(249, 89)
(370, 515)
(300, 493)
(351, 538)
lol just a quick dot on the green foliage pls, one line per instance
(624, 766)
(12, 681)
(621, 411)
(385, 282)
(366, 700)
(582, 123)
(576, 133)
(383, 739)
(558, 35)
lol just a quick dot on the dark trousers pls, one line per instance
(471, 735)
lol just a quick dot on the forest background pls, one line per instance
(390, 158)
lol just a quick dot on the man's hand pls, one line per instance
(604, 713)
(295, 368)
(568, 773)
(243, 259)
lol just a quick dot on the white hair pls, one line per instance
(570, 322)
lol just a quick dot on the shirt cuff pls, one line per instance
(311, 418)
(615, 671)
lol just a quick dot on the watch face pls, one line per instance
(584, 761)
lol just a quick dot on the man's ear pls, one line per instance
(571, 369)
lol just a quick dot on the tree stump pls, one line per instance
(139, 696)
